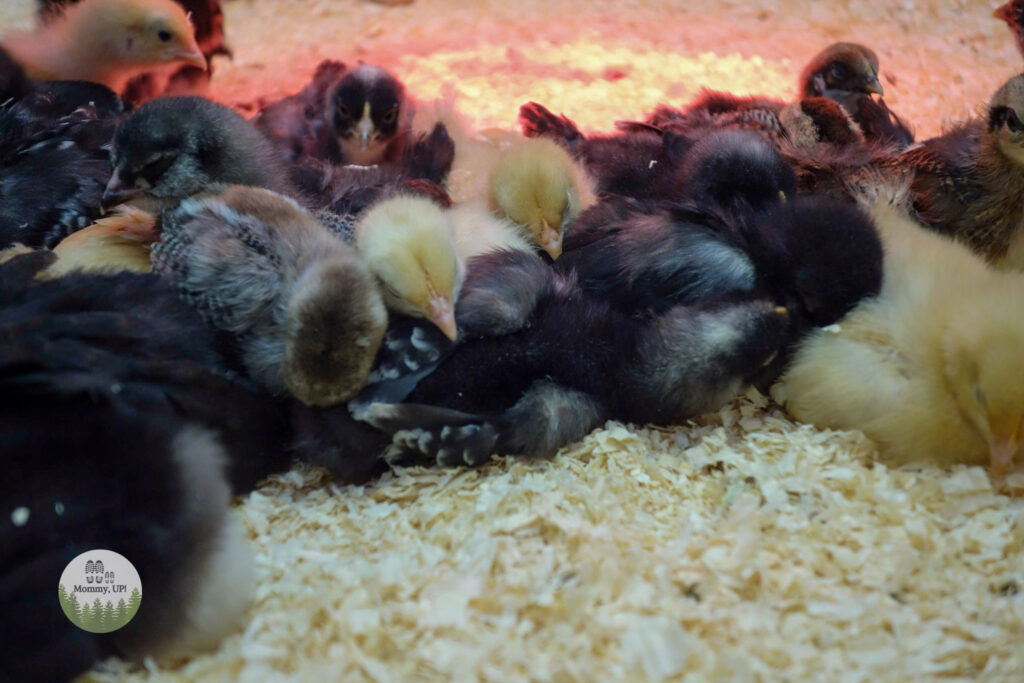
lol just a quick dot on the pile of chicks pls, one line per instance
(356, 280)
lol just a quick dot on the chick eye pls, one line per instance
(838, 71)
(391, 116)
(1013, 122)
(156, 168)
(343, 110)
(164, 35)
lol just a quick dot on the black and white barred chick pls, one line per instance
(306, 315)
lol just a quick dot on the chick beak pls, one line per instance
(550, 240)
(191, 54)
(441, 312)
(1004, 12)
(1001, 452)
(365, 128)
(871, 85)
(117, 192)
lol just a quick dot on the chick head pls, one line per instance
(364, 110)
(842, 67)
(408, 243)
(535, 184)
(175, 147)
(1005, 112)
(984, 362)
(736, 170)
(143, 32)
(335, 323)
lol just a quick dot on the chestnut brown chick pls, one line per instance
(847, 73)
(537, 185)
(969, 182)
(408, 243)
(930, 368)
(107, 42)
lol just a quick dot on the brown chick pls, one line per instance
(112, 244)
(537, 185)
(969, 182)
(408, 243)
(108, 42)
(930, 368)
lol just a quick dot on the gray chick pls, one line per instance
(306, 314)
(176, 147)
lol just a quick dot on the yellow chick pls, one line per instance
(408, 243)
(107, 41)
(113, 244)
(536, 184)
(931, 368)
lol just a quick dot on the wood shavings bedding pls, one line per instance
(739, 547)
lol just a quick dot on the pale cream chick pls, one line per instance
(536, 184)
(107, 41)
(932, 368)
(408, 243)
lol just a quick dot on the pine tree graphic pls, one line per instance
(133, 604)
(97, 617)
(85, 618)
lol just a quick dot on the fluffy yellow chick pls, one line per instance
(107, 41)
(113, 244)
(408, 243)
(931, 369)
(536, 184)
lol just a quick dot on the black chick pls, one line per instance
(1013, 14)
(54, 164)
(638, 161)
(555, 362)
(814, 255)
(176, 147)
(88, 476)
(208, 25)
(848, 74)
(969, 182)
(127, 342)
(358, 116)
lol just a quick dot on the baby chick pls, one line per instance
(848, 74)
(1013, 14)
(306, 314)
(207, 20)
(344, 116)
(52, 172)
(107, 41)
(930, 368)
(563, 362)
(535, 184)
(175, 147)
(969, 182)
(408, 243)
(367, 113)
(127, 342)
